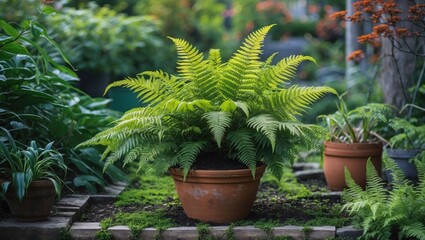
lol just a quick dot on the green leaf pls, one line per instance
(46, 9)
(15, 48)
(19, 182)
(9, 29)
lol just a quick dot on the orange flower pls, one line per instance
(356, 56)
(367, 37)
(338, 15)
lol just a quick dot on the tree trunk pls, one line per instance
(398, 67)
(351, 44)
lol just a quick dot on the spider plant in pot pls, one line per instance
(353, 139)
(30, 177)
(215, 126)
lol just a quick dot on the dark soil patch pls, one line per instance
(270, 206)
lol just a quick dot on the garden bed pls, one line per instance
(288, 202)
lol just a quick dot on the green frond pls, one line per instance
(231, 106)
(242, 141)
(174, 105)
(188, 153)
(189, 59)
(414, 230)
(294, 100)
(375, 185)
(214, 57)
(267, 125)
(398, 177)
(240, 74)
(420, 166)
(217, 123)
(284, 70)
(123, 149)
(354, 191)
(148, 90)
(192, 67)
(275, 164)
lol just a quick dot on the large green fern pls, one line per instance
(385, 214)
(242, 109)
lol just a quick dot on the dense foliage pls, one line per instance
(38, 101)
(385, 214)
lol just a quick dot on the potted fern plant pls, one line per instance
(215, 125)
(30, 177)
(406, 145)
(352, 141)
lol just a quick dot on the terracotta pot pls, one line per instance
(219, 196)
(36, 204)
(354, 156)
(402, 158)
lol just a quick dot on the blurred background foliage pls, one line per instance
(119, 38)
(107, 40)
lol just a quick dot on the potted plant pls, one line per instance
(406, 145)
(30, 177)
(352, 141)
(216, 125)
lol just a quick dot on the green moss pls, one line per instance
(288, 185)
(153, 190)
(143, 219)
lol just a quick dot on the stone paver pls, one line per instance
(46, 230)
(84, 230)
(349, 232)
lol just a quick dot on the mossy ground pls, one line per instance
(151, 201)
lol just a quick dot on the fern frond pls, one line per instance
(267, 125)
(148, 90)
(188, 153)
(231, 106)
(398, 177)
(189, 59)
(294, 100)
(242, 141)
(217, 123)
(375, 185)
(240, 74)
(174, 105)
(414, 230)
(284, 70)
(192, 67)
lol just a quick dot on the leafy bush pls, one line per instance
(200, 22)
(38, 101)
(102, 40)
(385, 214)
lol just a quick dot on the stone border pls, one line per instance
(88, 230)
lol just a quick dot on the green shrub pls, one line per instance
(101, 40)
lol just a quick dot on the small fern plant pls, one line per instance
(240, 110)
(383, 214)
(358, 125)
(410, 134)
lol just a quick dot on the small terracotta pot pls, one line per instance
(219, 196)
(354, 156)
(36, 204)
